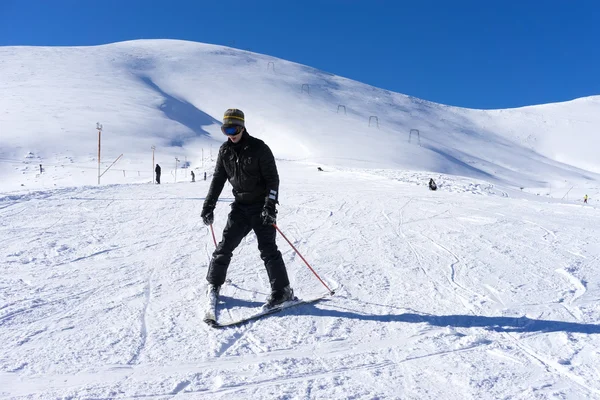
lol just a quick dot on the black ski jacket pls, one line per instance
(250, 167)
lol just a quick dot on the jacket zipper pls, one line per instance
(238, 171)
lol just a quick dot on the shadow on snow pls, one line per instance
(183, 112)
(497, 324)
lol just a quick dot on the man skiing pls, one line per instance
(250, 167)
(585, 199)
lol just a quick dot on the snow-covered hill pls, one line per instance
(172, 94)
(485, 289)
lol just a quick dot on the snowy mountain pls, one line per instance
(172, 94)
(486, 288)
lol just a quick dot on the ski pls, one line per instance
(264, 313)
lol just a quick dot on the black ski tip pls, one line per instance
(211, 322)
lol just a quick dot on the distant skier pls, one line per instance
(204, 175)
(193, 176)
(157, 170)
(585, 199)
(250, 167)
(432, 185)
(319, 169)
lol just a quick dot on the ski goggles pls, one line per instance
(232, 130)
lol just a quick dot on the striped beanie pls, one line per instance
(233, 117)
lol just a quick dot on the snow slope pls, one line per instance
(172, 94)
(451, 294)
(481, 290)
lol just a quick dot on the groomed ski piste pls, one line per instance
(486, 288)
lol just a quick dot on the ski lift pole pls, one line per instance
(331, 292)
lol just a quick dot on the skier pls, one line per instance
(432, 185)
(585, 199)
(157, 170)
(250, 167)
(193, 176)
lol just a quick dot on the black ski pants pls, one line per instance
(242, 219)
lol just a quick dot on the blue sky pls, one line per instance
(469, 53)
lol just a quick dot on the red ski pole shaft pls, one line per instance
(213, 235)
(303, 259)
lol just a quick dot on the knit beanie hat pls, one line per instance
(233, 117)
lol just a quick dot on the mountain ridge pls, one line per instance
(172, 94)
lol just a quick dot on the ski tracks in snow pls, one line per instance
(552, 366)
(452, 274)
(350, 358)
(143, 324)
(235, 337)
(551, 240)
(580, 289)
(419, 259)
(148, 340)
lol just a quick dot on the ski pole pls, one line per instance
(331, 292)
(213, 235)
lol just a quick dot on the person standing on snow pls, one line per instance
(157, 170)
(250, 167)
(585, 199)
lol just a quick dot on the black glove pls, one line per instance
(269, 214)
(207, 214)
